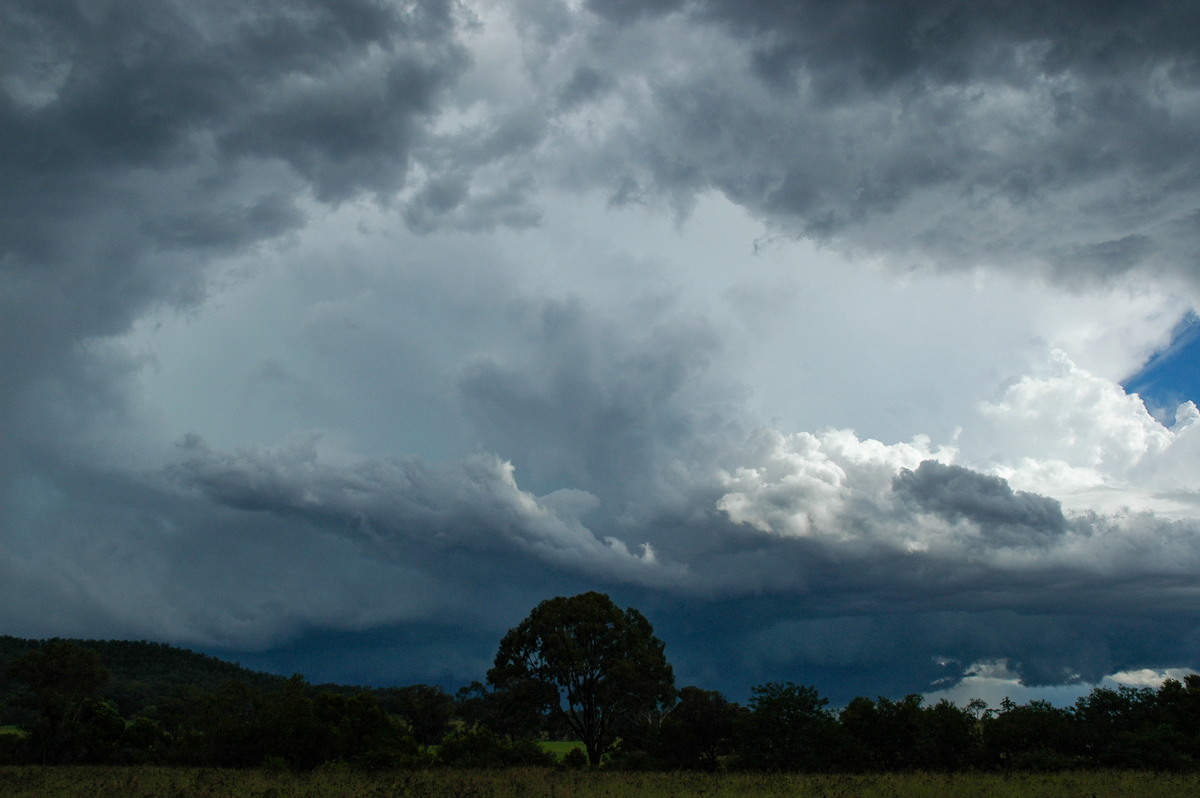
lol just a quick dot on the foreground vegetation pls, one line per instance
(44, 782)
(580, 686)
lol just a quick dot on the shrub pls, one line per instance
(575, 759)
(479, 748)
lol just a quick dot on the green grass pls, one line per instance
(144, 782)
(560, 747)
(11, 730)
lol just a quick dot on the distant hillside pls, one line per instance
(142, 675)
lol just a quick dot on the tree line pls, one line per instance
(577, 668)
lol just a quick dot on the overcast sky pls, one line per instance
(854, 343)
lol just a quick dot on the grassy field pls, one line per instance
(560, 747)
(132, 782)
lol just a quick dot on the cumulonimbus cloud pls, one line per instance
(866, 504)
(152, 153)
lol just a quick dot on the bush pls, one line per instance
(575, 759)
(13, 749)
(479, 748)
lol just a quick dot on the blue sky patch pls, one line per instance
(1172, 376)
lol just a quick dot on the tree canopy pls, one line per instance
(577, 668)
(584, 657)
(62, 680)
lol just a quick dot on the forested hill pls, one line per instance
(141, 674)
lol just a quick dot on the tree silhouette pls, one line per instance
(788, 728)
(62, 681)
(590, 661)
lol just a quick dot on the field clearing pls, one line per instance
(560, 748)
(31, 781)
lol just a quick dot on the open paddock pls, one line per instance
(148, 782)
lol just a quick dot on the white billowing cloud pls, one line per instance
(806, 484)
(1147, 677)
(867, 501)
(1077, 418)
(1079, 437)
(871, 501)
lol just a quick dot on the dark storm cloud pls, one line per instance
(227, 228)
(481, 177)
(869, 571)
(142, 122)
(626, 12)
(136, 135)
(350, 133)
(332, 89)
(873, 46)
(474, 504)
(929, 132)
(894, 570)
(246, 551)
(138, 140)
(954, 493)
(141, 143)
(742, 643)
(585, 84)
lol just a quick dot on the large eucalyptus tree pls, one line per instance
(584, 657)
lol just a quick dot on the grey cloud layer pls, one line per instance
(137, 136)
(820, 525)
(946, 133)
(334, 90)
(145, 145)
(949, 132)
(474, 504)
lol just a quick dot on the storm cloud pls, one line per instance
(335, 335)
(946, 134)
